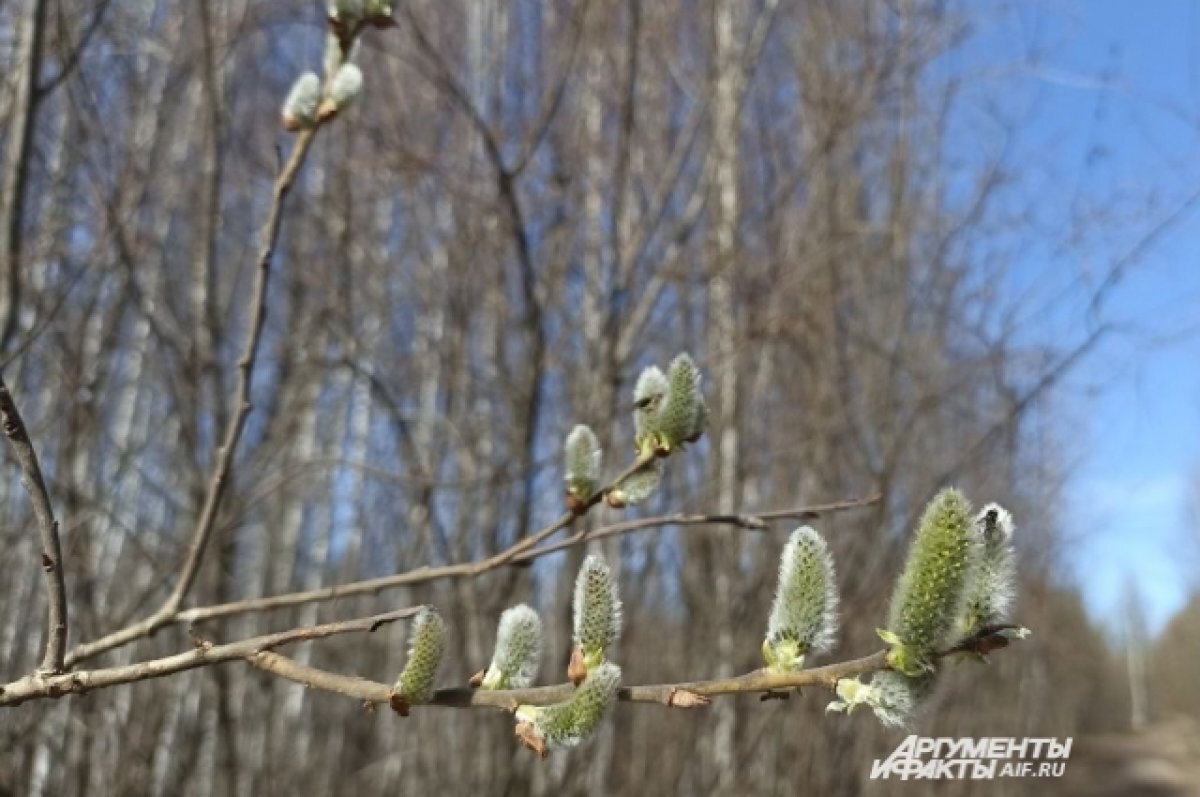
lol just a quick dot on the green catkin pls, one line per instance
(568, 723)
(425, 647)
(994, 586)
(803, 616)
(669, 408)
(680, 418)
(584, 460)
(518, 650)
(930, 594)
(597, 609)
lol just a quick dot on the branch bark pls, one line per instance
(683, 694)
(204, 653)
(667, 694)
(52, 565)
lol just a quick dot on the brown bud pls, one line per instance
(477, 679)
(529, 737)
(327, 110)
(577, 670)
(398, 704)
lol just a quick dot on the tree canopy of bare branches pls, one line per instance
(270, 386)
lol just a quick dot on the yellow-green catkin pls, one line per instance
(683, 414)
(931, 592)
(803, 616)
(427, 641)
(597, 610)
(568, 723)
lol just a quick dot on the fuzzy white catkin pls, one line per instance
(584, 460)
(303, 99)
(993, 588)
(518, 650)
(895, 697)
(346, 86)
(648, 395)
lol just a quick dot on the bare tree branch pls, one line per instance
(508, 699)
(37, 686)
(753, 521)
(233, 432)
(521, 553)
(52, 565)
(677, 695)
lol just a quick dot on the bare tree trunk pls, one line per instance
(728, 87)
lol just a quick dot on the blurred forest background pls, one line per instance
(532, 200)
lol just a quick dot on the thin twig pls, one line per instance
(52, 564)
(38, 686)
(419, 575)
(753, 521)
(219, 480)
(521, 552)
(170, 613)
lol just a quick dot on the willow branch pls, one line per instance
(754, 522)
(684, 694)
(522, 552)
(204, 654)
(759, 681)
(221, 472)
(52, 564)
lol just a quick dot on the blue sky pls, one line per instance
(1113, 92)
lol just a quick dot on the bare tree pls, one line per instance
(282, 386)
